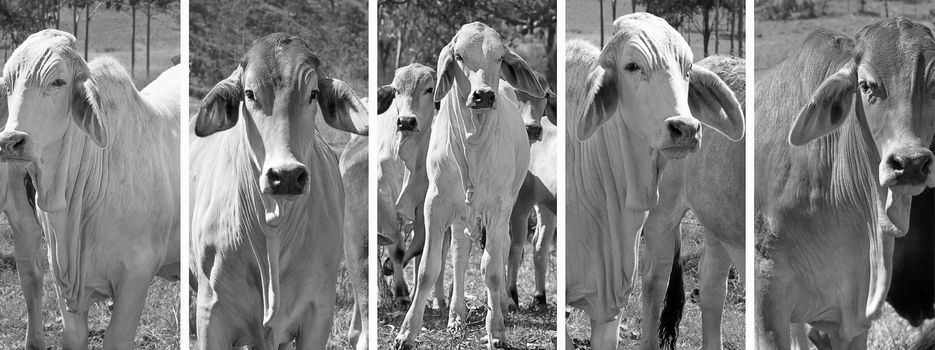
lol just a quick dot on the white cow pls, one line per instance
(478, 156)
(633, 108)
(105, 161)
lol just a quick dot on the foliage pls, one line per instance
(414, 31)
(222, 31)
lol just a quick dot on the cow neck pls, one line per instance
(468, 132)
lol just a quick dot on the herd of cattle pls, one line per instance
(844, 164)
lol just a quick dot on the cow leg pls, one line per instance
(493, 266)
(519, 227)
(129, 300)
(27, 251)
(400, 289)
(314, 332)
(209, 325)
(799, 337)
(604, 334)
(542, 251)
(438, 292)
(75, 324)
(661, 236)
(461, 244)
(438, 216)
(772, 315)
(356, 260)
(715, 267)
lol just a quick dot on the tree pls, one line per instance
(133, 38)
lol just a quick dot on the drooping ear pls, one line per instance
(713, 103)
(385, 97)
(219, 109)
(551, 107)
(515, 70)
(604, 103)
(827, 109)
(83, 109)
(446, 69)
(341, 108)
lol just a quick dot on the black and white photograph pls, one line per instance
(845, 118)
(278, 174)
(89, 165)
(466, 143)
(655, 242)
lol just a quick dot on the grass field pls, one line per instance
(582, 24)
(775, 39)
(110, 35)
(528, 328)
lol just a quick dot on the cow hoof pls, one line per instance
(403, 301)
(402, 345)
(495, 343)
(539, 300)
(455, 326)
(513, 307)
(439, 303)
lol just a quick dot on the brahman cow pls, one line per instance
(912, 291)
(478, 156)
(539, 189)
(268, 200)
(644, 77)
(354, 174)
(711, 184)
(402, 134)
(839, 155)
(106, 178)
(17, 195)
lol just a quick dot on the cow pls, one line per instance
(17, 194)
(912, 290)
(633, 108)
(539, 189)
(354, 174)
(477, 158)
(402, 133)
(267, 211)
(711, 184)
(104, 159)
(839, 155)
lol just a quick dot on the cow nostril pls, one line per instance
(895, 163)
(302, 178)
(19, 143)
(675, 130)
(925, 165)
(274, 178)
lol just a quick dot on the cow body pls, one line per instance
(107, 199)
(912, 291)
(833, 204)
(354, 173)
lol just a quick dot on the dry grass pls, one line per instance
(528, 328)
(732, 324)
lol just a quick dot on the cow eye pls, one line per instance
(313, 96)
(250, 95)
(864, 87)
(458, 57)
(429, 91)
(631, 67)
(58, 83)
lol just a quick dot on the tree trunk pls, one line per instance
(399, 47)
(886, 8)
(717, 22)
(133, 40)
(149, 17)
(633, 4)
(87, 27)
(705, 29)
(613, 9)
(740, 30)
(731, 37)
(600, 22)
(74, 16)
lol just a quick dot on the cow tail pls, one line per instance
(673, 304)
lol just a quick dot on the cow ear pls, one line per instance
(218, 111)
(602, 106)
(515, 70)
(551, 107)
(84, 110)
(827, 109)
(341, 108)
(447, 67)
(713, 103)
(385, 97)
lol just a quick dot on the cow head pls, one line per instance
(892, 79)
(650, 80)
(49, 91)
(472, 65)
(533, 109)
(279, 91)
(411, 97)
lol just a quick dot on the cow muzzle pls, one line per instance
(407, 123)
(908, 170)
(534, 132)
(682, 135)
(482, 98)
(287, 180)
(13, 146)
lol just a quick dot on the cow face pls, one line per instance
(280, 92)
(45, 83)
(891, 78)
(649, 79)
(533, 109)
(412, 96)
(474, 62)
